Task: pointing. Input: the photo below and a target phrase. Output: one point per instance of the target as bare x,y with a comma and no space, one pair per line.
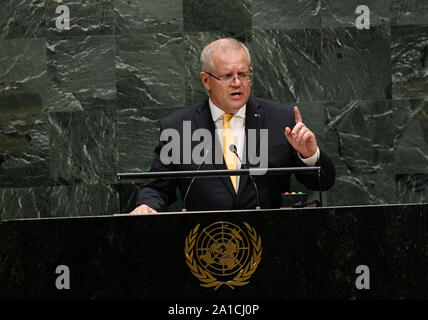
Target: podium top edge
253,211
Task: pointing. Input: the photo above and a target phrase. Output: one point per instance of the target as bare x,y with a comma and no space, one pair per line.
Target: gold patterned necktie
229,139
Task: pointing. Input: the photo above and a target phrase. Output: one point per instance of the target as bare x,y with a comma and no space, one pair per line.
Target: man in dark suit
230,114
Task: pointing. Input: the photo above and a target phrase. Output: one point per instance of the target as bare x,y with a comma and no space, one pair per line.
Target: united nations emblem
223,254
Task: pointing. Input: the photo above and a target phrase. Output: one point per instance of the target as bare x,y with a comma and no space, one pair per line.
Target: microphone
183,209
233,148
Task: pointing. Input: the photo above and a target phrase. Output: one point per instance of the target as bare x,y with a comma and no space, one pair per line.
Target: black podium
310,253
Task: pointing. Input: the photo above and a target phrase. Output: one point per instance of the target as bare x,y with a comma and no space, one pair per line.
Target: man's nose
236,81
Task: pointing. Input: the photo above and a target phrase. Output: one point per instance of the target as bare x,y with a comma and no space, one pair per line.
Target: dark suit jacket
218,193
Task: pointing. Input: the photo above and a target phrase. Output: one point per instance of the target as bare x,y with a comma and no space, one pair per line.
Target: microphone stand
233,148
183,209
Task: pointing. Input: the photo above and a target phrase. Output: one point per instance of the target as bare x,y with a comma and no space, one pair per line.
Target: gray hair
225,44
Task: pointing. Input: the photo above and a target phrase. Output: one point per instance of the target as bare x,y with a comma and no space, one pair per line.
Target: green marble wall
79,105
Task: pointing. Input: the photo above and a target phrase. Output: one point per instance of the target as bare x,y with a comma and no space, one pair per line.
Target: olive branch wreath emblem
207,279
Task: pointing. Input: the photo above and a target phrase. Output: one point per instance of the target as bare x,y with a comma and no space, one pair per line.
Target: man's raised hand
301,138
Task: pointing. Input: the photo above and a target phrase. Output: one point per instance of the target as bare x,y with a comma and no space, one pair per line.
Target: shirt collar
216,112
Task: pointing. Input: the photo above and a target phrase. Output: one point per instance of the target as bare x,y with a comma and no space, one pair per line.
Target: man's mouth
236,94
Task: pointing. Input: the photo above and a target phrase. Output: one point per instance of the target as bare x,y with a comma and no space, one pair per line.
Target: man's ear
205,81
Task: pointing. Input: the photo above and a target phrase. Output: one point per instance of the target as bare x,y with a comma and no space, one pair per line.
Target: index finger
297,116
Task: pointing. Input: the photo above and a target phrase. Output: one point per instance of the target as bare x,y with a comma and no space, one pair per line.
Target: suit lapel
254,118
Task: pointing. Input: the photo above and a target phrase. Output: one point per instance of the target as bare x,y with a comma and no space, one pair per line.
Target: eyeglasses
228,79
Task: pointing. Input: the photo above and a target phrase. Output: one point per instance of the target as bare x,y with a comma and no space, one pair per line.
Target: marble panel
279,14
83,146
149,71
80,68
409,12
221,15
22,19
134,17
409,57
356,64
21,203
81,199
24,147
287,65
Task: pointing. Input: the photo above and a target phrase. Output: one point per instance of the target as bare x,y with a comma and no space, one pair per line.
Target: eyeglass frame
250,74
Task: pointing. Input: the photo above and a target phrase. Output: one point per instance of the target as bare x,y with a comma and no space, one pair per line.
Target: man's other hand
143,209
